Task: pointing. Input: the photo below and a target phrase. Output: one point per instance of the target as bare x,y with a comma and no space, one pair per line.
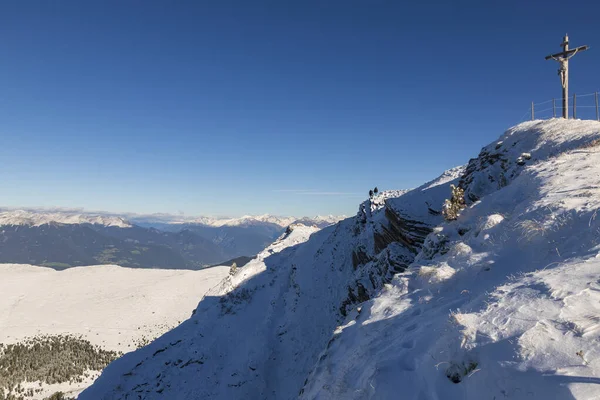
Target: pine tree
233,269
376,190
455,204
371,193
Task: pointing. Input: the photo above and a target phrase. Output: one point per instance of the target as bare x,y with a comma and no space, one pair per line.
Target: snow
508,303
266,218
36,217
501,303
22,217
258,334
111,306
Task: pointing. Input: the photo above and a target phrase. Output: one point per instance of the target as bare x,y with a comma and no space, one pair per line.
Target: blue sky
282,107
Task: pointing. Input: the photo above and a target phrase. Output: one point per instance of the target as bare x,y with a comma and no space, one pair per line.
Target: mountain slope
65,239
284,305
66,245
238,240
22,217
498,304
112,307
242,236
504,300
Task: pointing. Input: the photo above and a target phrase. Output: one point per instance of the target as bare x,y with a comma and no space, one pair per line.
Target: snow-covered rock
501,303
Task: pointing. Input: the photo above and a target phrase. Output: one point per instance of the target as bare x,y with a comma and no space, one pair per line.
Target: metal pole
553,108
566,83
597,115
574,106
532,112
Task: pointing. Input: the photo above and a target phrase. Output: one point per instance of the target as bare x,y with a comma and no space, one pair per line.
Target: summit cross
563,70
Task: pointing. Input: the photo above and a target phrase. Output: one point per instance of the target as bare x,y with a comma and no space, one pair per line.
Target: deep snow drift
396,303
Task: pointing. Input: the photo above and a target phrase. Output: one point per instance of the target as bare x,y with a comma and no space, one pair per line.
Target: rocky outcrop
400,229
495,176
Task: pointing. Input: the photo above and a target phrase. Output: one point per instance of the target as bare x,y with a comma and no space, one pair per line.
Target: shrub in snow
233,269
455,204
582,356
457,371
436,243
593,143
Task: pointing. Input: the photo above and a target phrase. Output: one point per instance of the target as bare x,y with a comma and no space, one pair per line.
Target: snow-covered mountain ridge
501,303
63,238
22,217
37,217
283,222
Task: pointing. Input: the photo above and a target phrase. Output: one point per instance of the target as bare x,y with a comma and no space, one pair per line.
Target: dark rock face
485,160
360,257
397,239
401,229
390,232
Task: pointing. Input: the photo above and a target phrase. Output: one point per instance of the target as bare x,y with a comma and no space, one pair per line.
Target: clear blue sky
282,107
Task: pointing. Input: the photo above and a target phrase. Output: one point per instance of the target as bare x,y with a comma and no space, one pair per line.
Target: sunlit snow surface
113,307
506,299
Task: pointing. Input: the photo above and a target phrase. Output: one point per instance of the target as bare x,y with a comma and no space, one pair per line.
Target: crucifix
563,70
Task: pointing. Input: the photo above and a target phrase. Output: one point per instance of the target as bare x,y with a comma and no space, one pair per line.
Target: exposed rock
403,230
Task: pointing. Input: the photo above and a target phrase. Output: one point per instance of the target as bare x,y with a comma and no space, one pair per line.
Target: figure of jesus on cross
563,70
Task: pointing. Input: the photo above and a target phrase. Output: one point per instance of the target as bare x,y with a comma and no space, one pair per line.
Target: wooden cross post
563,71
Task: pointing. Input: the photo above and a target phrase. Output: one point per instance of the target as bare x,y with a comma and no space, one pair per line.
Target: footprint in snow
416,313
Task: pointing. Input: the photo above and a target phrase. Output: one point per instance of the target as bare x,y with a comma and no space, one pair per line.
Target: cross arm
567,53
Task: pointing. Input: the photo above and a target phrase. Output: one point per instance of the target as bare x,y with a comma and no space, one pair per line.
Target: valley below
86,316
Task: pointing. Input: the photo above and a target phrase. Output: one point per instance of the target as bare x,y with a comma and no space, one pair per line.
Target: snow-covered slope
22,217
505,299
113,307
259,334
501,303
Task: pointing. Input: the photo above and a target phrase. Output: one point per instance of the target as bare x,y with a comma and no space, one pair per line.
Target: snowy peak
244,220
37,217
319,220
500,303
22,217
294,235
528,143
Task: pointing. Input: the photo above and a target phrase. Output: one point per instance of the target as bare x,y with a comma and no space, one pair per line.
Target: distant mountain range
63,238
156,220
